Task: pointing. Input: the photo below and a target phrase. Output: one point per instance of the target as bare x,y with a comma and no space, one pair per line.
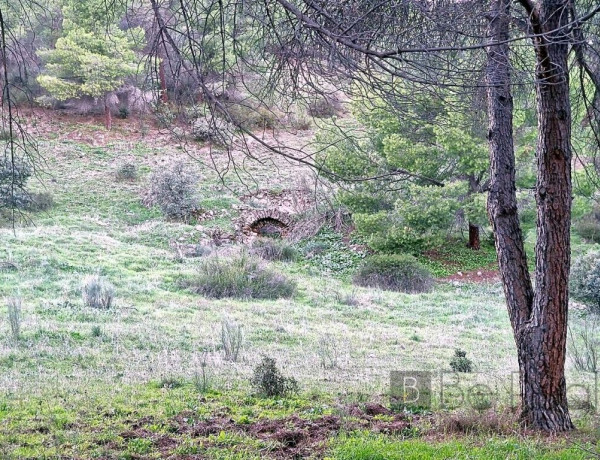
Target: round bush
241,277
585,280
211,129
394,272
126,171
173,190
13,179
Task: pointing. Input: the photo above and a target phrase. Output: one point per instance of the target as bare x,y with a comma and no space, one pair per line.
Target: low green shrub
269,382
395,272
585,280
96,292
460,362
96,331
173,190
124,112
14,175
273,249
212,129
32,202
588,227
251,116
126,171
242,277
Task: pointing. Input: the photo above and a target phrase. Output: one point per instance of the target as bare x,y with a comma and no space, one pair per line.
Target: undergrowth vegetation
150,374
274,249
269,382
173,189
241,277
585,280
97,292
395,272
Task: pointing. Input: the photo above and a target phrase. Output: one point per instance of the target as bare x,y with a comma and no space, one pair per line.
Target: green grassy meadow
148,378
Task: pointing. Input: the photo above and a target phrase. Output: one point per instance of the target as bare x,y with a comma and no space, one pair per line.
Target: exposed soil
475,276
292,437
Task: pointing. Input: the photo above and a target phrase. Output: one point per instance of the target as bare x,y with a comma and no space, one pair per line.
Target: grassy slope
69,390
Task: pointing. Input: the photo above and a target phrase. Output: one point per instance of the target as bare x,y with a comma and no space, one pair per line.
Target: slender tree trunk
163,81
107,115
474,240
538,317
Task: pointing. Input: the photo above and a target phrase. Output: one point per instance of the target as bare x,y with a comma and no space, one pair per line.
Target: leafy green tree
88,59
443,155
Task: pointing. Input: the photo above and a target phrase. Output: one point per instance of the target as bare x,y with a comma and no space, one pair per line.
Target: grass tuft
241,277
96,292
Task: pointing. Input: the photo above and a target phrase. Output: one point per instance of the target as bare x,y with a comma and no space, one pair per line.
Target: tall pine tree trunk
539,317
544,337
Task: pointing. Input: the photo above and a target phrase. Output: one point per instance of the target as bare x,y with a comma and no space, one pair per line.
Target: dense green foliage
93,56
444,154
395,272
13,181
84,64
460,362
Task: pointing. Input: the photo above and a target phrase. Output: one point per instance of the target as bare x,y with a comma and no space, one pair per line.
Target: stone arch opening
269,226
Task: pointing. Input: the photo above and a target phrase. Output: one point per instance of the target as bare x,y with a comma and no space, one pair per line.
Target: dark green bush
241,277
268,381
460,362
395,272
32,202
273,249
123,112
13,178
585,280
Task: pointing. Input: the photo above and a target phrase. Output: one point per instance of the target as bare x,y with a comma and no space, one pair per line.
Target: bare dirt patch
291,437
474,276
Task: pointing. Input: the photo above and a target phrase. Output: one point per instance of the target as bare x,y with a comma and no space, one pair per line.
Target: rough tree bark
474,239
538,317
